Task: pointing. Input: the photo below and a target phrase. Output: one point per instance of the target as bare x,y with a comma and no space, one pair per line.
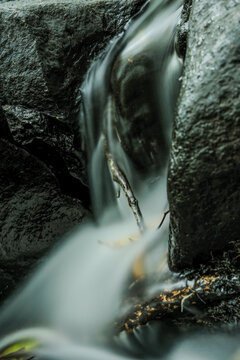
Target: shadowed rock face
143,138
33,209
33,214
46,48
204,170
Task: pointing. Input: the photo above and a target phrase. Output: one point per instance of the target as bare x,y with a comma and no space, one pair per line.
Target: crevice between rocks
69,184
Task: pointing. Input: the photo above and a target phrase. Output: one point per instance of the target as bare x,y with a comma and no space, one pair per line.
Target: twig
183,300
119,177
164,217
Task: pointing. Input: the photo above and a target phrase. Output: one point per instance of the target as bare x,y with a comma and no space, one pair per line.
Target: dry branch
120,178
163,218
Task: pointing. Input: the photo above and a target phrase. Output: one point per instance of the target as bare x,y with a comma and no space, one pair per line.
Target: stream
67,309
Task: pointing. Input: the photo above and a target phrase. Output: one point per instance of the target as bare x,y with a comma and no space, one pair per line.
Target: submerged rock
142,137
204,171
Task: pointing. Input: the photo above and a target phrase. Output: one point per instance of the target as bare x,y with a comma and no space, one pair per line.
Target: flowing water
129,95
70,304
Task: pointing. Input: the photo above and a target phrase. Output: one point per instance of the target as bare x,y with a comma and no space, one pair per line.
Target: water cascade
145,50
68,307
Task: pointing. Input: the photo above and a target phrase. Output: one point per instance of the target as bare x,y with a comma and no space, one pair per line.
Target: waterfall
70,304
129,96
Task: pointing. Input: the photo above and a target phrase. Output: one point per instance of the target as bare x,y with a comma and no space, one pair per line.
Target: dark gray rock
136,98
46,49
182,33
4,128
7,284
204,172
51,140
34,212
47,46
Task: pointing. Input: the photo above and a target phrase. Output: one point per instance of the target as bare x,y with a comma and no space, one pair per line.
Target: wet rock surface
34,213
30,195
183,29
46,49
204,170
53,142
142,137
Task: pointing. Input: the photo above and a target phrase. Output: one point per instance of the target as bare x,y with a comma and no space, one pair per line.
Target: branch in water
119,177
186,302
164,217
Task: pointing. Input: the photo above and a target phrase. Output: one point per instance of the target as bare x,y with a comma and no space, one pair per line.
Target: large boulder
204,171
47,46
46,49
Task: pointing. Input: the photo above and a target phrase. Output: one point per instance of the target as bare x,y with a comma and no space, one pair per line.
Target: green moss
19,350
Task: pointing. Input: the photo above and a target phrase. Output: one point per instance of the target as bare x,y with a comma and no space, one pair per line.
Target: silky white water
71,302
149,39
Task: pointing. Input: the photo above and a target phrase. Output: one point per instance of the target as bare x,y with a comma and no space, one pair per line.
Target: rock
141,136
182,33
52,141
34,213
46,49
4,128
47,46
204,171
7,284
